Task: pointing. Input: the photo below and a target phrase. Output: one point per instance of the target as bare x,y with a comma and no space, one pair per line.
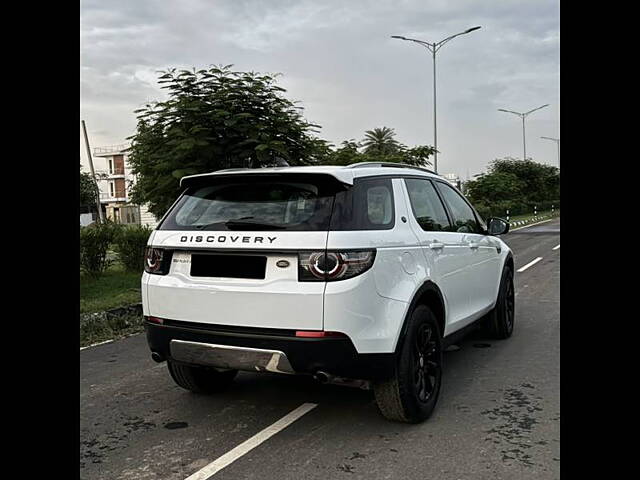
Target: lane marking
96,344
530,264
248,445
531,225
111,340
556,247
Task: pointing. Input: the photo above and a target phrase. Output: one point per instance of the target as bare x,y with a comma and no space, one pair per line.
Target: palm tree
380,141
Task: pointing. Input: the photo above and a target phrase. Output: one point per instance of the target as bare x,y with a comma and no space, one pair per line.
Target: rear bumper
336,356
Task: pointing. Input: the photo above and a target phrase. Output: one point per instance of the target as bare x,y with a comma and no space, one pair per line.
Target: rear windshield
283,202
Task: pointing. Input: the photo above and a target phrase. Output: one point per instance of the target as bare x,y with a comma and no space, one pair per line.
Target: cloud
337,59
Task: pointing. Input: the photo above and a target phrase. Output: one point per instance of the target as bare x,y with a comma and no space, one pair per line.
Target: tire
200,379
412,393
501,319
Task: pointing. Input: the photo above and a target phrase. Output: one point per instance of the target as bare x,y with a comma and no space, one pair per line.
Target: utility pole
93,173
433,47
523,116
557,140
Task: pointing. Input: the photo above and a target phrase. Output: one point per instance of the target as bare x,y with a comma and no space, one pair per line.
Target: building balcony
116,198
112,176
111,150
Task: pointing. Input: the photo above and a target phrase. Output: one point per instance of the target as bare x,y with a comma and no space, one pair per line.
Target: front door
484,263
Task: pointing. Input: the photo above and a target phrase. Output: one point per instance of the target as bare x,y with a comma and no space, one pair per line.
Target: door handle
436,245
473,245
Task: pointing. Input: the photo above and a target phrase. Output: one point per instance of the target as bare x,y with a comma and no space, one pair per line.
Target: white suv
357,274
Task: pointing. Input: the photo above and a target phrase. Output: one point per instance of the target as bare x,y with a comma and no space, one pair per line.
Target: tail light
331,266
157,260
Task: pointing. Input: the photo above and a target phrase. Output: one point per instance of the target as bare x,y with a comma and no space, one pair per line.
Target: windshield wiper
243,224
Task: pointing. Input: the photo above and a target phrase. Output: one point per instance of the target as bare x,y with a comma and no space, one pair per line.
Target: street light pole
523,116
93,173
557,140
433,48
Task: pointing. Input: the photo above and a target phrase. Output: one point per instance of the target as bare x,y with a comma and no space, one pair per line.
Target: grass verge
115,288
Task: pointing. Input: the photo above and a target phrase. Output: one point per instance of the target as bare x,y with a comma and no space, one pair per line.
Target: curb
108,322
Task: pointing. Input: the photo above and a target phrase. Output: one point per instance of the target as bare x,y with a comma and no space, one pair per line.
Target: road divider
530,264
248,445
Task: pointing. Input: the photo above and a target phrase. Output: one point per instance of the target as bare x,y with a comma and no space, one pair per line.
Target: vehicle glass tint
243,203
426,205
464,220
368,205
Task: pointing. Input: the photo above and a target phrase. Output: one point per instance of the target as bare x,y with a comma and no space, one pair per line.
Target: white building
115,180
453,179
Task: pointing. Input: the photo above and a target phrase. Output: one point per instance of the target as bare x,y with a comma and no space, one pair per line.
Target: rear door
233,247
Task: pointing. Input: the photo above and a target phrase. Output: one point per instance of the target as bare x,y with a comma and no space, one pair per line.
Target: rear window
284,202
264,203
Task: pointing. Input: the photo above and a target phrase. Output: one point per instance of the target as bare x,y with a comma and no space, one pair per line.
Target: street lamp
523,116
433,48
557,140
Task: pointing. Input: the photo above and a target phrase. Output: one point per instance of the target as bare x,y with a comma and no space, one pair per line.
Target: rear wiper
241,224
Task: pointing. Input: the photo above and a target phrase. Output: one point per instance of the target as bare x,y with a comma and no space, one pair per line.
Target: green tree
380,141
514,185
88,189
419,155
539,182
345,155
213,119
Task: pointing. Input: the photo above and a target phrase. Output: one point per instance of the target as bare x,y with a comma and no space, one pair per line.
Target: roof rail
388,164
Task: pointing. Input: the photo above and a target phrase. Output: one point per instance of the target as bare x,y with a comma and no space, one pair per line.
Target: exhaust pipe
156,357
322,377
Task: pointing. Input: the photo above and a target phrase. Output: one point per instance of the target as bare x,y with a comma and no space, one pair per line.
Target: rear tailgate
237,278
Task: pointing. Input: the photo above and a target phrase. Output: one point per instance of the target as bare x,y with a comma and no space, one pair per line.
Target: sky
338,61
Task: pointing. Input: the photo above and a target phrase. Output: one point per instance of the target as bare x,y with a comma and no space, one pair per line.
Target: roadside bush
94,244
129,244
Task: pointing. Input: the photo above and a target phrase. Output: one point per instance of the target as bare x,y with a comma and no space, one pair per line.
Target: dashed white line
556,247
248,445
530,264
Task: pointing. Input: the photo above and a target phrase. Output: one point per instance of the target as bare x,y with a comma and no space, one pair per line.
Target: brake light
330,266
157,260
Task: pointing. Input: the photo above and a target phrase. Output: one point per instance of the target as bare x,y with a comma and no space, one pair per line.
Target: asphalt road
498,415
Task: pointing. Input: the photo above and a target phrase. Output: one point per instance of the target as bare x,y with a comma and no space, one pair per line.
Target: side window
464,219
368,205
426,205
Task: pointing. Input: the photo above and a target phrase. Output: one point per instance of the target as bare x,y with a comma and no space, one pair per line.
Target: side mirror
497,226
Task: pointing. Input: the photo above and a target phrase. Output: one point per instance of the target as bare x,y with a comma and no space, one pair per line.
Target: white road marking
96,344
556,247
530,264
245,447
111,340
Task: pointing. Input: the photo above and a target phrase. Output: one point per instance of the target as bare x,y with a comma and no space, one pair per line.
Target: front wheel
501,319
411,394
200,379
